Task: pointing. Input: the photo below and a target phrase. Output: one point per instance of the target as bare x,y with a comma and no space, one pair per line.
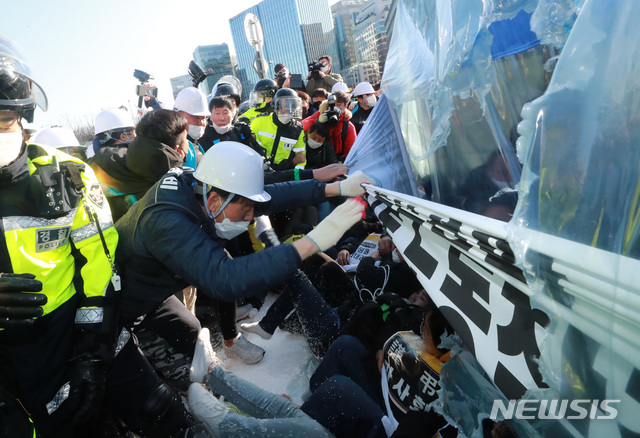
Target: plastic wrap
576,228
492,112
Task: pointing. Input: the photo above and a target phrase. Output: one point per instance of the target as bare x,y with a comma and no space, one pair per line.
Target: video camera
143,90
142,76
315,67
198,74
333,115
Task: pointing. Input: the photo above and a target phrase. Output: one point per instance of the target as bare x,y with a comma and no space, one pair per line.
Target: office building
362,72
295,33
215,57
345,14
371,32
179,83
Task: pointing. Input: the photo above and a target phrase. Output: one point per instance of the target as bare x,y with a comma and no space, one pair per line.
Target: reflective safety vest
62,246
279,142
254,112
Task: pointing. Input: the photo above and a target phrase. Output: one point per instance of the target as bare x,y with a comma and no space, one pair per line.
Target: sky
83,53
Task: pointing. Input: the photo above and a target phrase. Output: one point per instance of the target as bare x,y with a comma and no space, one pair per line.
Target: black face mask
316,105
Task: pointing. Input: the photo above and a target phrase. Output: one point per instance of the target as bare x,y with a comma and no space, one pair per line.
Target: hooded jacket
127,173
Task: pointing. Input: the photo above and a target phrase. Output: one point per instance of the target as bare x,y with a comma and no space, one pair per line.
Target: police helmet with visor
287,103
18,91
263,92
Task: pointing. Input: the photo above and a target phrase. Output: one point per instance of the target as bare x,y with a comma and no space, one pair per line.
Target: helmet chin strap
222,207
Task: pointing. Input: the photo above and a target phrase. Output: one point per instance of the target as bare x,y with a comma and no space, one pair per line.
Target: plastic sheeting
563,319
379,150
581,183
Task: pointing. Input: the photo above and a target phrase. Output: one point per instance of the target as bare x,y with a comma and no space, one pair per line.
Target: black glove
18,309
88,386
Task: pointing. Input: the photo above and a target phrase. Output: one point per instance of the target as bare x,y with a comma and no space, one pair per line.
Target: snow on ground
287,365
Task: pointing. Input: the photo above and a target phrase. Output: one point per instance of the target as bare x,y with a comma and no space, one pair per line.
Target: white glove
323,118
331,229
351,185
262,224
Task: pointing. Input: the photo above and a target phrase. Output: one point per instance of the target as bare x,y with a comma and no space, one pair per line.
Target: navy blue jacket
167,243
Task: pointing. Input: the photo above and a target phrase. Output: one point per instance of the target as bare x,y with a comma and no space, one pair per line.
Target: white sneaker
254,327
203,357
206,408
244,350
243,312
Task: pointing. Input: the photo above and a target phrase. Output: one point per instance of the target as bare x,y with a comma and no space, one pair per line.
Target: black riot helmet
228,90
287,103
18,91
263,92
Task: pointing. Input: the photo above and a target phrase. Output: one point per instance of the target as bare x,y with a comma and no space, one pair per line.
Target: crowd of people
212,201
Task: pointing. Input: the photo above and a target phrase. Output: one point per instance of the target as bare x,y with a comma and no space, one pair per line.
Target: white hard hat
234,168
57,137
339,86
363,88
110,119
192,101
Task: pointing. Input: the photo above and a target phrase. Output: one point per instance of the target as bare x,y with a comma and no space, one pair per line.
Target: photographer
320,75
335,115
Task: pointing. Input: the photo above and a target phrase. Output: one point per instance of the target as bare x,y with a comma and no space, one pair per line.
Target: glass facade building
295,33
345,14
216,57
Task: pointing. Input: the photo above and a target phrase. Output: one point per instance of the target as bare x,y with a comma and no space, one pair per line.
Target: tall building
179,83
345,13
216,57
361,72
371,32
295,33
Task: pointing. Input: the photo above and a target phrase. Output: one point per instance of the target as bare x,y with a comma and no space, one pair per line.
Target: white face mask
313,144
371,101
10,146
222,129
195,132
395,256
325,69
228,230
285,119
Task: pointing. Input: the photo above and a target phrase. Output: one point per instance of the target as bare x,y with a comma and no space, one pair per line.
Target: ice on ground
287,365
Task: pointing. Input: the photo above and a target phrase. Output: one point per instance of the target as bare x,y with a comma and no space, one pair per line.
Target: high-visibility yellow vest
65,252
290,139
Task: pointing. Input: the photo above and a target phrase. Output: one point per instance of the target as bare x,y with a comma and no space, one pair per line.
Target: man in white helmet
63,139
114,127
366,96
176,234
192,104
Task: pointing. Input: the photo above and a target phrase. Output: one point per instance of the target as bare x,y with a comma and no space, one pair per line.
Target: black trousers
34,367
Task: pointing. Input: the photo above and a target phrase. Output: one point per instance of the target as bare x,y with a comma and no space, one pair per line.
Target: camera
198,75
142,76
333,115
145,90
315,67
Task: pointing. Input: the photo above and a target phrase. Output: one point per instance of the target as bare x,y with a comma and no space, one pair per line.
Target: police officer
260,99
58,352
279,134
